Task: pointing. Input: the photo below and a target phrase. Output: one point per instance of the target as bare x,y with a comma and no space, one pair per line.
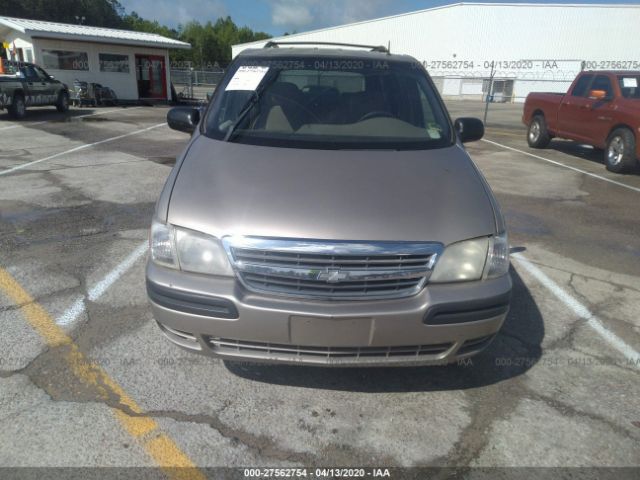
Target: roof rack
373,48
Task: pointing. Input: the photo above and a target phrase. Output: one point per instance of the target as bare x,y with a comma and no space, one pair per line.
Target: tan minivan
325,212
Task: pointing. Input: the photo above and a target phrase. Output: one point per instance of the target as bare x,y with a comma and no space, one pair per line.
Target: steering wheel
376,113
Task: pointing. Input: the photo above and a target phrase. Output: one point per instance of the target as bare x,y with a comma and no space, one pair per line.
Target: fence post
191,82
490,93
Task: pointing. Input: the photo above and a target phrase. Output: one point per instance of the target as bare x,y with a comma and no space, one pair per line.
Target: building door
151,77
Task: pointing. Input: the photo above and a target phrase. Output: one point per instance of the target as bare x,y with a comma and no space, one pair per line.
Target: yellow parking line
158,445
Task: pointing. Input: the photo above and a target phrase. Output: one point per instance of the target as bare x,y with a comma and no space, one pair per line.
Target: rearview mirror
597,95
469,129
183,119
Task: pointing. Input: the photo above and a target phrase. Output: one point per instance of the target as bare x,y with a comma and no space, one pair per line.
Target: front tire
538,135
17,109
620,153
62,105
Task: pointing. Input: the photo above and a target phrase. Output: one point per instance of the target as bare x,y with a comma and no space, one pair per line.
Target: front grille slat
224,345
333,261
328,269
311,284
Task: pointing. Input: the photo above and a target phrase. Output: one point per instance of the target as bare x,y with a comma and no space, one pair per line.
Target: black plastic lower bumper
193,303
468,311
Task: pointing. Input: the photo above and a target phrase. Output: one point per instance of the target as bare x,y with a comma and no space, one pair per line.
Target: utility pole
490,92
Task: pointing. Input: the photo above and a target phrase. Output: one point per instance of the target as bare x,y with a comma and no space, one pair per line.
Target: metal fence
194,85
496,90
498,101
497,93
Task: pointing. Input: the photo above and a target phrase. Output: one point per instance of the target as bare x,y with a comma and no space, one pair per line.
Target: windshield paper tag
247,78
630,82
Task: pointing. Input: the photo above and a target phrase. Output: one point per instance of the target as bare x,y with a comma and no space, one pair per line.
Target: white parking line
81,147
72,313
579,309
102,112
560,164
24,125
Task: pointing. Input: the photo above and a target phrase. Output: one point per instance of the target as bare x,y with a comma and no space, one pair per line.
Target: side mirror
183,119
597,95
469,129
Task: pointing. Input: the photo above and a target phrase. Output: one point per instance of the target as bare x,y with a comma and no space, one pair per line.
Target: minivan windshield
328,103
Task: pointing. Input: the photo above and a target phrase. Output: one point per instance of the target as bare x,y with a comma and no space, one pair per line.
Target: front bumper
218,316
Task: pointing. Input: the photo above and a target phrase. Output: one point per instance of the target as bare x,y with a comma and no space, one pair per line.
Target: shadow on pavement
583,152
49,114
515,349
578,150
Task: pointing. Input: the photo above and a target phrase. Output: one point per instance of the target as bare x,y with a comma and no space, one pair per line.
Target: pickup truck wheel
62,105
17,109
620,154
538,135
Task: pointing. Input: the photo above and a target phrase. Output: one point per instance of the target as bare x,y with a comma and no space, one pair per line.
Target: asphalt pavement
88,380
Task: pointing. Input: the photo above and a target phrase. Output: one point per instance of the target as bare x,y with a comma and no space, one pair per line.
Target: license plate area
330,332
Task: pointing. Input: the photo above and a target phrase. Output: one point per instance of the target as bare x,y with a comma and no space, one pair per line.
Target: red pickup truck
601,108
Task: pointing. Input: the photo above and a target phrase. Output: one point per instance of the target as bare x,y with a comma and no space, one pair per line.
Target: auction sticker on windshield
247,78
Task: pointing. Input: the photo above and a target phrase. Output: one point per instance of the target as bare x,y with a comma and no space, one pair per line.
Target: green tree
100,13
133,21
211,42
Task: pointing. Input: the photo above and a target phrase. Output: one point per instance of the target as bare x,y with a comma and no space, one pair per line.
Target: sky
279,16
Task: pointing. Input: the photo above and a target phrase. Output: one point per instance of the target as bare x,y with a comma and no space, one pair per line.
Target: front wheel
620,154
17,109
538,135
62,105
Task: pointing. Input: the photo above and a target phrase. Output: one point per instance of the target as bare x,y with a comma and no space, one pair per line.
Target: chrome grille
332,270
323,354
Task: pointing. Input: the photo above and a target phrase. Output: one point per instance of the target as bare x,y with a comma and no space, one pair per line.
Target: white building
531,46
134,64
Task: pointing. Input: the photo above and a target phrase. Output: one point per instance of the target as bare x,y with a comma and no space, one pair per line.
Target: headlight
486,257
201,253
462,261
498,259
162,244
188,250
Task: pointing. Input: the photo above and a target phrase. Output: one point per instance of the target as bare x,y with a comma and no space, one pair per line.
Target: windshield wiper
255,98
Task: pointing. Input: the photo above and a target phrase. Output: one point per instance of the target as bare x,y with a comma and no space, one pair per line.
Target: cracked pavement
549,391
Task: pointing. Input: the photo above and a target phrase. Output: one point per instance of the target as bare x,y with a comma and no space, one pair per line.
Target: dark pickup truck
25,84
601,108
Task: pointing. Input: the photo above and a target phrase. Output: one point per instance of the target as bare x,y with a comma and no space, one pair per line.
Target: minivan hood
226,188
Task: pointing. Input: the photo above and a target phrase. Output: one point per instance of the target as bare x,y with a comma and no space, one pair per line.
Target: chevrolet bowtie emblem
333,275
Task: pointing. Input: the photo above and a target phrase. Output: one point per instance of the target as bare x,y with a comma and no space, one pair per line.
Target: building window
114,63
63,60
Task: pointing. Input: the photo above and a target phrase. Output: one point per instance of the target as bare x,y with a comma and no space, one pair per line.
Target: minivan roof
286,51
